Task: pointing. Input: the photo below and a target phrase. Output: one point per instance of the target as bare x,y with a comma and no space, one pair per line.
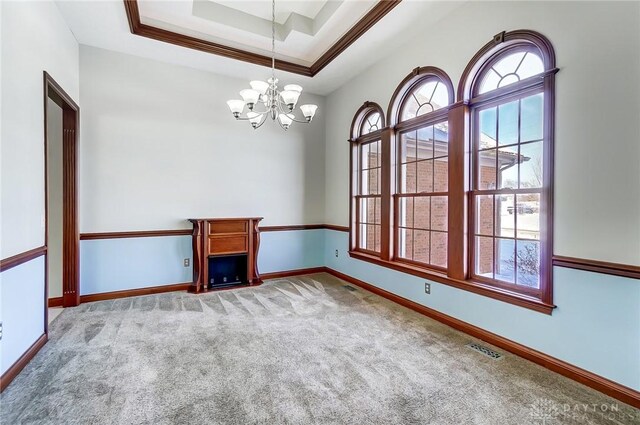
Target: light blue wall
596,325
108,265
291,250
21,310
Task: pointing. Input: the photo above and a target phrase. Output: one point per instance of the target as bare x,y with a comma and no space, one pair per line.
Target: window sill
479,288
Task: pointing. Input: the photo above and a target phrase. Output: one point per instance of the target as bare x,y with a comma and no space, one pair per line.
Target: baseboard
55,302
24,359
289,273
134,292
599,383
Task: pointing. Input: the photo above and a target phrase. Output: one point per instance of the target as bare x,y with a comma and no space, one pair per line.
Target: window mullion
458,189
386,207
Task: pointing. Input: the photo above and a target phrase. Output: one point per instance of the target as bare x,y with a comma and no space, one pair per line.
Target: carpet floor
303,350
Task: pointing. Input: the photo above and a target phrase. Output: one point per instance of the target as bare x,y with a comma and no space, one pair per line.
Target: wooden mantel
224,236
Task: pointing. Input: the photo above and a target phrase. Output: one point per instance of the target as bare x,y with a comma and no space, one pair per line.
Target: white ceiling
104,24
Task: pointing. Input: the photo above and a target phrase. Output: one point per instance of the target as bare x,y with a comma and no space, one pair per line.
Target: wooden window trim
502,294
502,45
356,140
458,115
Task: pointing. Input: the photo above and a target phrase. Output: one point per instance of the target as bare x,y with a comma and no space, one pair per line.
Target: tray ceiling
107,24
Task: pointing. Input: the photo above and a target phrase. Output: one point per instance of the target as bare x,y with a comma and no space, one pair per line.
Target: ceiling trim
362,26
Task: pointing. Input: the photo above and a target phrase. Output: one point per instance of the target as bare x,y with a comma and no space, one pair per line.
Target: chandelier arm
245,118
300,121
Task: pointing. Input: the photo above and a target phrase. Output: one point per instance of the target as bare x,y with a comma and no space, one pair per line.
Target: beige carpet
293,351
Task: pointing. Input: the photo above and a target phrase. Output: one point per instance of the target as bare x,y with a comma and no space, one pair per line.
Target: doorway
61,119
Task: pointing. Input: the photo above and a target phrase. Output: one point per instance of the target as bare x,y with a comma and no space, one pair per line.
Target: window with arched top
459,189
510,87
366,178
420,106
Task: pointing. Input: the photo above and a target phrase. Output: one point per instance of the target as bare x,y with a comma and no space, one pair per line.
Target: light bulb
236,106
285,120
254,118
290,98
259,86
308,111
293,87
250,97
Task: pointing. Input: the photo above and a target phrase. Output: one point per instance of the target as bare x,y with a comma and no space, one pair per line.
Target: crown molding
362,26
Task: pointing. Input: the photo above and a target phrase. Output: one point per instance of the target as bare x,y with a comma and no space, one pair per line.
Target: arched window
509,86
366,178
418,111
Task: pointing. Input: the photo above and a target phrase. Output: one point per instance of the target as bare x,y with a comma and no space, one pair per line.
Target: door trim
70,233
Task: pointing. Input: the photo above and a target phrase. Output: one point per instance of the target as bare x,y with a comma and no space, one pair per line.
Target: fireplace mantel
217,237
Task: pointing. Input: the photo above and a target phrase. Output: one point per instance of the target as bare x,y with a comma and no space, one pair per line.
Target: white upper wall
158,145
597,164
34,38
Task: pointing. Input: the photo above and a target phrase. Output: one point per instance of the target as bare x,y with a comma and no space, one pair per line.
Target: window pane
505,260
510,69
370,210
531,168
486,169
439,213
509,64
484,215
508,167
531,120
529,216
425,143
505,216
425,176
441,177
488,128
531,65
371,182
408,178
371,155
490,81
371,237
528,264
508,123
365,155
406,212
371,123
484,256
422,212
405,244
427,97
441,139
439,249
363,236
421,246
363,210
408,147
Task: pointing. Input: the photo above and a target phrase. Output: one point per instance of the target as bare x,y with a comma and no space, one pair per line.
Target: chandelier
264,99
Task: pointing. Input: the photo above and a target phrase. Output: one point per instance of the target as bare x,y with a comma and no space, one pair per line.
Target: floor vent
485,350
349,288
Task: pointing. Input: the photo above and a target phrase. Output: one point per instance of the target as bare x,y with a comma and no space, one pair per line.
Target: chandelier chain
273,39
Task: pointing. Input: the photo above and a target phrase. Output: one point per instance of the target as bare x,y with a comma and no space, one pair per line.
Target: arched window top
511,57
371,122
424,91
368,119
510,67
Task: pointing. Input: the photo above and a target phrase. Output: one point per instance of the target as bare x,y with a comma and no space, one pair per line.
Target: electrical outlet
427,288
336,253
186,262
